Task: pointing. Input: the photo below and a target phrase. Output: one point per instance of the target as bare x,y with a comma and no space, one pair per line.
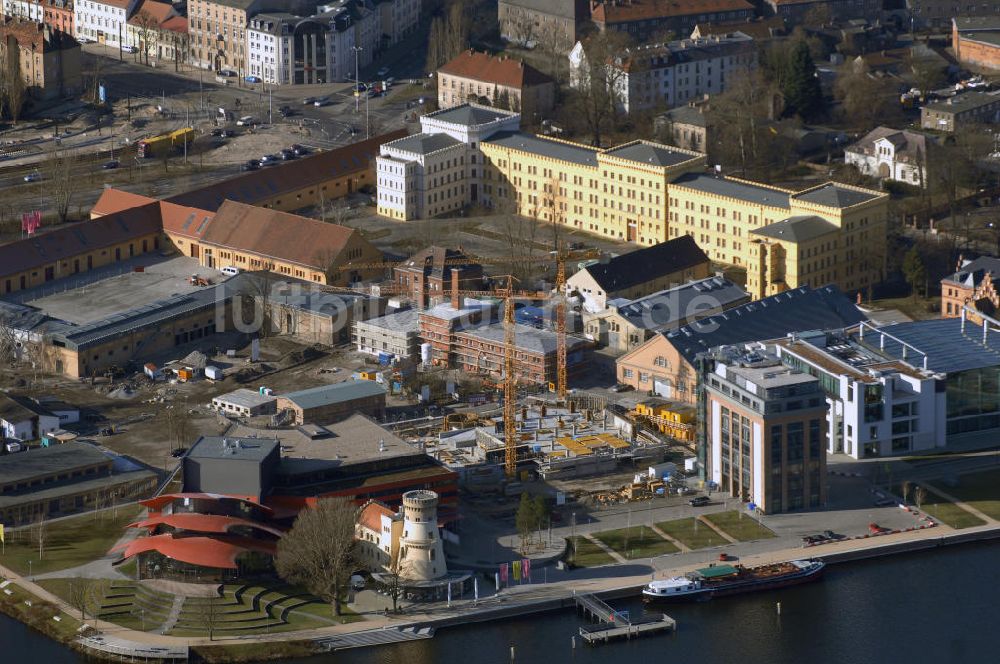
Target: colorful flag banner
526,568
517,570
503,572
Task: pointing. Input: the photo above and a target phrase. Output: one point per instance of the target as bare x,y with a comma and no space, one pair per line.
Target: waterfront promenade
610,581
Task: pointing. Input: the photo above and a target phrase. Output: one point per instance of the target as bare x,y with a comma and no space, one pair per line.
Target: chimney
456,299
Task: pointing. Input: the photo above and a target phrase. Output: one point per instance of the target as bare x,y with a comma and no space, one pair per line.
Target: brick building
961,111
49,60
976,41
974,284
648,19
331,403
480,350
432,275
499,80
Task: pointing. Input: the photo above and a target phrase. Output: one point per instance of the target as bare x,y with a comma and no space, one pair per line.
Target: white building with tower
408,543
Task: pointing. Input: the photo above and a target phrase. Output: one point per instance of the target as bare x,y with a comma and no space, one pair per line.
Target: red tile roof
80,238
277,235
217,552
372,513
118,200
157,503
187,221
157,11
643,10
176,24
501,70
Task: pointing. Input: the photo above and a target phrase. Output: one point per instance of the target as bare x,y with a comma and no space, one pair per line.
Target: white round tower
420,548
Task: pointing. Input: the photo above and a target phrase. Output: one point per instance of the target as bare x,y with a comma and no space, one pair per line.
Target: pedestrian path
959,503
673,540
721,533
619,558
172,617
374,637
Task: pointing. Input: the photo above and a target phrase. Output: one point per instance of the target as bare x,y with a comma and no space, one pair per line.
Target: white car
245,121
230,270
130,49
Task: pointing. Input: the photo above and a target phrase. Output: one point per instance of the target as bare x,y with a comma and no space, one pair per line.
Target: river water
936,607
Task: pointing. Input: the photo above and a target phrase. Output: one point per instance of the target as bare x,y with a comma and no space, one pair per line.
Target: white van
230,270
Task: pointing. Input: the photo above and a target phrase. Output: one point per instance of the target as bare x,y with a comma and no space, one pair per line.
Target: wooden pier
616,624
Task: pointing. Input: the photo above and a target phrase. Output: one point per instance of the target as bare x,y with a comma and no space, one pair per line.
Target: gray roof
470,115
797,229
42,461
745,191
560,8
579,154
948,349
325,395
686,115
402,322
966,101
973,272
244,397
45,492
908,144
645,265
836,195
797,310
424,143
243,449
527,338
673,305
649,153
963,23
14,409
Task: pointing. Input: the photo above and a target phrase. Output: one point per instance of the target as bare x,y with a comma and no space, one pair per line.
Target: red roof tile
278,235
157,11
501,70
372,513
117,200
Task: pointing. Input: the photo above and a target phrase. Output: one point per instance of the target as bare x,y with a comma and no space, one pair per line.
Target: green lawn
584,553
943,510
636,542
68,542
692,533
981,490
39,615
740,526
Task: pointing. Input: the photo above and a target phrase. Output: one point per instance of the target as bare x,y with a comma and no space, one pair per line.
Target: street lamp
357,93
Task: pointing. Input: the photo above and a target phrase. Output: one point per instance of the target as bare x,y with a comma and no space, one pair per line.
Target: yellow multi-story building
648,193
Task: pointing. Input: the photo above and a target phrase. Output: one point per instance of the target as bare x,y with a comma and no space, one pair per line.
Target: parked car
308,101
323,101
217,131
228,133
830,535
288,155
698,501
226,73
299,149
110,165
252,79
245,121
621,387
33,177
230,270
130,49
251,165
269,160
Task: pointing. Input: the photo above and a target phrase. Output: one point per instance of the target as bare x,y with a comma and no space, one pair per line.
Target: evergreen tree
913,270
803,96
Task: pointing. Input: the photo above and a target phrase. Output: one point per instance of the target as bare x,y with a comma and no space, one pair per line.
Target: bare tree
79,596
319,549
597,82
39,534
147,27
14,88
919,496
907,486
393,580
97,590
209,614
59,182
